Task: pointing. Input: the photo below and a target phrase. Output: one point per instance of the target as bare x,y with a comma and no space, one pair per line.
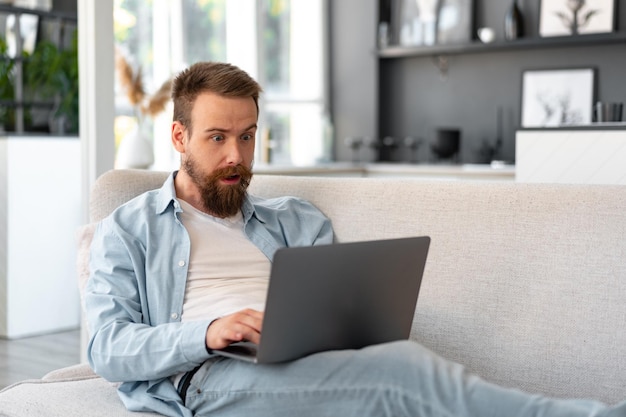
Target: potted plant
135,150
51,73
7,112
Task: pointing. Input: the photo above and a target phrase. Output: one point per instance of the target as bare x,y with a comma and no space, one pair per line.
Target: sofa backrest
525,284
116,187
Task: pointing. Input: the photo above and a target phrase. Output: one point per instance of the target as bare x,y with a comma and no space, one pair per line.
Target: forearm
121,351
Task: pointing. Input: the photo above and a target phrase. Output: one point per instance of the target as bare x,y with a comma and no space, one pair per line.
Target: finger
245,334
234,328
236,333
251,318
247,327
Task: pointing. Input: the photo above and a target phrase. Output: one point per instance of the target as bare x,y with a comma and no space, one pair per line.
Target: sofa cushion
70,392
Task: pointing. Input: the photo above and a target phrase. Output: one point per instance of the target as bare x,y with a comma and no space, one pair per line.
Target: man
181,271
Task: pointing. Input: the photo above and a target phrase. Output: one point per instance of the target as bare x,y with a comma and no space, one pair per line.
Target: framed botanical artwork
454,21
557,97
576,17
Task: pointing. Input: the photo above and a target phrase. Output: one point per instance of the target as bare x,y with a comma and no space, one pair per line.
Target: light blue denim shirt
134,296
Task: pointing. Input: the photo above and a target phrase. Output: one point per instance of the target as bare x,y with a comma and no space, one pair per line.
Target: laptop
337,296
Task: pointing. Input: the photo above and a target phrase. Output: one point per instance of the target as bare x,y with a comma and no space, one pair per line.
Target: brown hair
216,77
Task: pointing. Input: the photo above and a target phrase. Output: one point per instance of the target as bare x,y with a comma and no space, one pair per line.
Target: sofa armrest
80,371
74,391
84,235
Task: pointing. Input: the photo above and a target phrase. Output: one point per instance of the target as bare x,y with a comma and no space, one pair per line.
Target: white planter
134,152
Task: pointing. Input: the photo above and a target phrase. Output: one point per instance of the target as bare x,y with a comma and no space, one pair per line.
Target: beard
220,200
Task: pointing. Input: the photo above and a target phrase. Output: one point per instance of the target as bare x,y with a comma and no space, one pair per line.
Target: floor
33,357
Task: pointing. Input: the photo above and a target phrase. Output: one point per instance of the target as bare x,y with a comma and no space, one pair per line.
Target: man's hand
243,325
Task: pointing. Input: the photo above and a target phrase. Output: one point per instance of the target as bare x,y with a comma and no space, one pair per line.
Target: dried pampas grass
156,104
132,82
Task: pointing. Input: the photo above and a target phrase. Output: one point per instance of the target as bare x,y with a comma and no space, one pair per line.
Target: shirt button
174,316
181,263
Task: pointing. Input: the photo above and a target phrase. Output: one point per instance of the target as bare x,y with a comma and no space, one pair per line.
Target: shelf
4,9
524,43
38,104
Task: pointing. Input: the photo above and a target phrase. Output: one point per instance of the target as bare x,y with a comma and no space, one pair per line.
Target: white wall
97,106
354,72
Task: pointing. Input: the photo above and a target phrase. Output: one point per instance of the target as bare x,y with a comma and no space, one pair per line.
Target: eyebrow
221,130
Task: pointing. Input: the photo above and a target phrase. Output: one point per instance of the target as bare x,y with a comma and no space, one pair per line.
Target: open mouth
231,179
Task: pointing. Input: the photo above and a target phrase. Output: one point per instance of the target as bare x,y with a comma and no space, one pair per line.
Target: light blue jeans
394,379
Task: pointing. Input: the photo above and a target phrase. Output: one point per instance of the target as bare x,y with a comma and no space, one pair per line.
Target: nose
234,154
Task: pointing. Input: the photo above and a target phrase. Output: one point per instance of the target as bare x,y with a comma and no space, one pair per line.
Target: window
281,43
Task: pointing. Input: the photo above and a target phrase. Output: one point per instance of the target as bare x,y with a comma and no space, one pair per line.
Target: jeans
393,379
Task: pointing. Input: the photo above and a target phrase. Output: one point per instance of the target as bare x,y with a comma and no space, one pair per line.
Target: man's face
217,156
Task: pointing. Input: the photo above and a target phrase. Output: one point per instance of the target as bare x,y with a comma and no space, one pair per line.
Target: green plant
7,91
52,73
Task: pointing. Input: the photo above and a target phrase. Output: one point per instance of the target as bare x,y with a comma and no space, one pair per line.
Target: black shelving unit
477,87
520,44
62,20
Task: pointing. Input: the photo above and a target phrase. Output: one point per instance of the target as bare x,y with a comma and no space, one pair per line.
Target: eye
247,137
217,138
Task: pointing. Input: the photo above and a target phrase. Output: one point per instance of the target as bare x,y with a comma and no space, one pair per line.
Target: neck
187,190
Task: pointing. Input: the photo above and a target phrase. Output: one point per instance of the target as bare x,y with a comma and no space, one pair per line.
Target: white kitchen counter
480,172
582,156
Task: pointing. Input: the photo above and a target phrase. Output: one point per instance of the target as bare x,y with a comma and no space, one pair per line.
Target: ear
178,136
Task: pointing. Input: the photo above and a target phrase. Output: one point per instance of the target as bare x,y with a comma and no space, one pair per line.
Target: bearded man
183,270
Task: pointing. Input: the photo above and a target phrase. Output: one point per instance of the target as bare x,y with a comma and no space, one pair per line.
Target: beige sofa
525,284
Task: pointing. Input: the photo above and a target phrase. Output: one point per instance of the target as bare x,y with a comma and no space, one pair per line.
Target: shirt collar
167,194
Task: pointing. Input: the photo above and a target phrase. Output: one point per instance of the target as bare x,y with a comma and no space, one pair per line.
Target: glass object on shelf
383,35
414,22
608,112
513,23
454,21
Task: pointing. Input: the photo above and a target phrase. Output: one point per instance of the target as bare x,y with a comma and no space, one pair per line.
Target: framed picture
454,21
576,17
562,97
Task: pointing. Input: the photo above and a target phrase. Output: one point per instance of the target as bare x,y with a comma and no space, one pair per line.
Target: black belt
183,385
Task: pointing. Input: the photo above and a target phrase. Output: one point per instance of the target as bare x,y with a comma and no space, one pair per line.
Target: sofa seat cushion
69,392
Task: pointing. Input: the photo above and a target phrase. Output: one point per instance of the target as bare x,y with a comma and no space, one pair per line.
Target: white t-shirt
227,272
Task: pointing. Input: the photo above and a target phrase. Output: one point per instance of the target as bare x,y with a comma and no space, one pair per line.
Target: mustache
227,172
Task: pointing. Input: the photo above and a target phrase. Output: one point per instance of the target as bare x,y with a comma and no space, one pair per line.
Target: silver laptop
339,296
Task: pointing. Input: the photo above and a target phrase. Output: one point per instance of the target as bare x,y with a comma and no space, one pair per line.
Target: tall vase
134,151
513,23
